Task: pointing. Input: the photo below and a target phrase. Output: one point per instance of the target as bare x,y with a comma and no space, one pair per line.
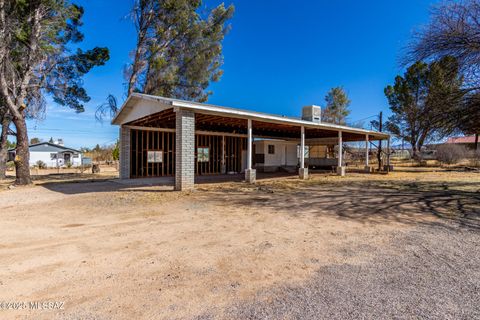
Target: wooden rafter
216,123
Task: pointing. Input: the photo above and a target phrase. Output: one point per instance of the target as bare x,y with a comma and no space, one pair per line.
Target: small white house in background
53,155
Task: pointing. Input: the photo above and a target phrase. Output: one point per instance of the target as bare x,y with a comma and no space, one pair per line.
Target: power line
63,130
374,116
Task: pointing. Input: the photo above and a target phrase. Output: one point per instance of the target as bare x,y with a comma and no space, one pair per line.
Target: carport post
388,154
302,172
367,164
250,174
340,167
184,149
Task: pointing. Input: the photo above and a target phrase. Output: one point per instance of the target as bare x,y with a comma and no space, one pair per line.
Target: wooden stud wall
233,153
143,141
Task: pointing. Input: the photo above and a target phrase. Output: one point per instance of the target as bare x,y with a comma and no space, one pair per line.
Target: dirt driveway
402,246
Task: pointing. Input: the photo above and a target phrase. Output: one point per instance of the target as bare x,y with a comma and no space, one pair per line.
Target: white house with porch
52,155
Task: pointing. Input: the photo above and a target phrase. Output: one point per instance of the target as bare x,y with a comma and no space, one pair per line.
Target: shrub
10,165
451,153
41,165
476,158
95,168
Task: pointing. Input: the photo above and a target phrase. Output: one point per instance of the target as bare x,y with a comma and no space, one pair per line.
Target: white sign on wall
155,156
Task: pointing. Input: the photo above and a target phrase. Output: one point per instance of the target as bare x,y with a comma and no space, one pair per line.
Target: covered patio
168,137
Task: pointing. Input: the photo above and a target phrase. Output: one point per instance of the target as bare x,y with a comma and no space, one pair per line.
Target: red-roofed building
469,139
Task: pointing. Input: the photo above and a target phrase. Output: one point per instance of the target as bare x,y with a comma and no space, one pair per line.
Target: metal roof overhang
166,103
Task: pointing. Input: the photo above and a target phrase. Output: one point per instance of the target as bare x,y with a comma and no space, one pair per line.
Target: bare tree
454,31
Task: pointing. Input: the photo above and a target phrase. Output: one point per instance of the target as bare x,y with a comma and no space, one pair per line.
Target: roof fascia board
270,118
122,108
131,102
236,113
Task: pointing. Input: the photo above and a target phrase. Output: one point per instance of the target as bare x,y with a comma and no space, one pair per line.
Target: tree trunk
3,149
379,155
414,152
22,156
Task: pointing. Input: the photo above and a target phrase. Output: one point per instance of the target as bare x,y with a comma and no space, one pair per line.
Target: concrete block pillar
184,150
124,152
303,173
250,174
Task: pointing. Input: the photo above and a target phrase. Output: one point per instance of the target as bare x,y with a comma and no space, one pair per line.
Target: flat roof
134,98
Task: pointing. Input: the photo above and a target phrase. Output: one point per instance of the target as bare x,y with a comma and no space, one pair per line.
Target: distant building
463,140
52,154
468,141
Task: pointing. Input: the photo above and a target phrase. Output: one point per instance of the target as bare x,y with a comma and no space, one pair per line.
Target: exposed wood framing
150,129
143,141
215,124
232,154
152,139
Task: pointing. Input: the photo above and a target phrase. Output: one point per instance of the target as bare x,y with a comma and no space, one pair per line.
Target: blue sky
279,56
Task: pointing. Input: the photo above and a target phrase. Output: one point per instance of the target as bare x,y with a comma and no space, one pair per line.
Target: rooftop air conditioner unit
312,113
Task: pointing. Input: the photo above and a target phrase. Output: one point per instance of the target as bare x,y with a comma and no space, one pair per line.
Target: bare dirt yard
406,245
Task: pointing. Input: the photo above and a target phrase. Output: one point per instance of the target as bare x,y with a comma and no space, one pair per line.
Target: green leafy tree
11,145
178,51
35,62
116,151
35,140
336,110
420,101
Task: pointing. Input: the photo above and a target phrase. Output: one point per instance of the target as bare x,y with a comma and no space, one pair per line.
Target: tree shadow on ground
371,201
79,185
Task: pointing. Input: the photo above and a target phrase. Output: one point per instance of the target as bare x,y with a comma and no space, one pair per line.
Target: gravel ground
400,246
430,272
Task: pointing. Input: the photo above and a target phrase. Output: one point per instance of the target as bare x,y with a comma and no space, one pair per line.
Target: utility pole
379,153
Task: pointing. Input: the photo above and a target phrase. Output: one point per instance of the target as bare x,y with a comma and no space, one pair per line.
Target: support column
250,174
184,150
340,167
223,167
368,169
389,168
302,172
124,153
